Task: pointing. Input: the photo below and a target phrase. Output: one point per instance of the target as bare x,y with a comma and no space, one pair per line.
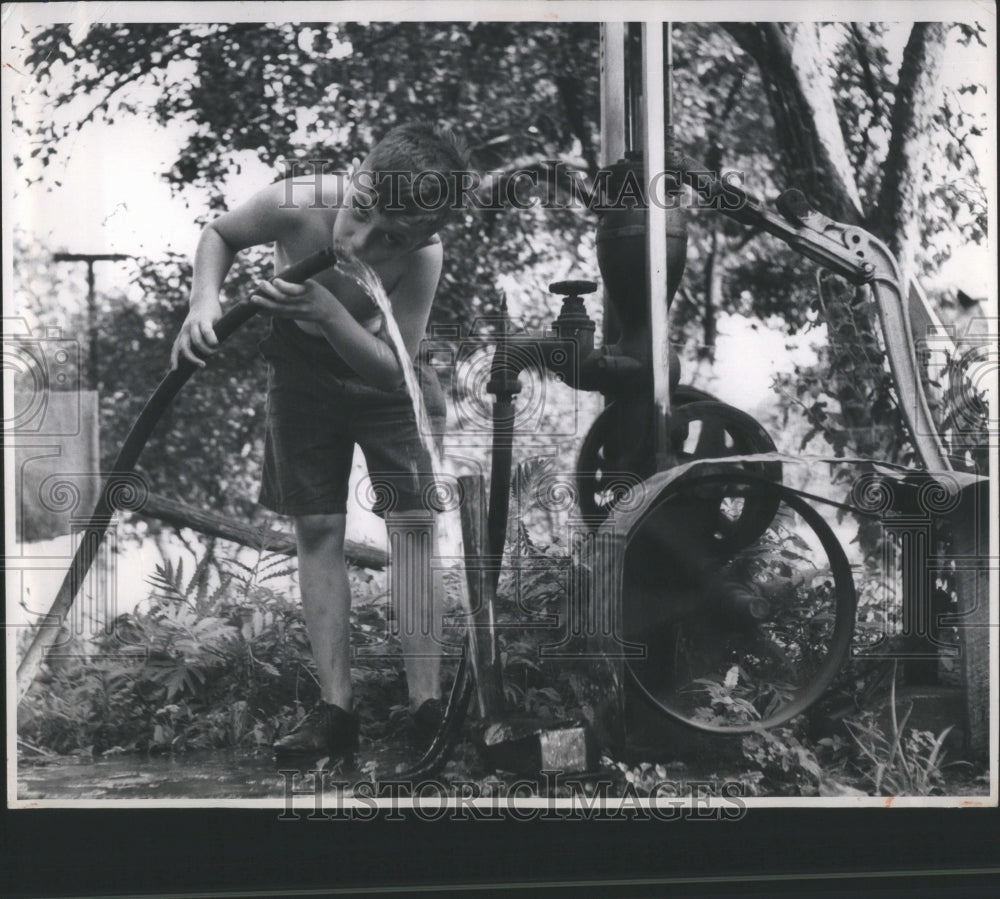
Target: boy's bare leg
418,609
326,602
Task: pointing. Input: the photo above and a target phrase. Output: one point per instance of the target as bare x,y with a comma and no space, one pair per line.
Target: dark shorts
317,410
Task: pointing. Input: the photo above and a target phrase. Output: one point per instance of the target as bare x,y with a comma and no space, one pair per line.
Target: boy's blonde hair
415,171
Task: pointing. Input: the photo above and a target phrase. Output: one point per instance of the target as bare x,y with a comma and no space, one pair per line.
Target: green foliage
83,704
726,706
190,668
531,609
791,767
848,397
724,122
514,91
899,763
963,412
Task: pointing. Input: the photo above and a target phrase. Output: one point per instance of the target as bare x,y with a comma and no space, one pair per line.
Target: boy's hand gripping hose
120,488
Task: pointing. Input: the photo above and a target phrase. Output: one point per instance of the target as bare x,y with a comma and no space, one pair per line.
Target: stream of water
449,529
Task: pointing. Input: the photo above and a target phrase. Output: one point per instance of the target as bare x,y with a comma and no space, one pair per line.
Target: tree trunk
808,131
815,160
898,216
805,119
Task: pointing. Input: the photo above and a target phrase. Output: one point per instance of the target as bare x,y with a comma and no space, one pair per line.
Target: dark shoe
426,721
326,730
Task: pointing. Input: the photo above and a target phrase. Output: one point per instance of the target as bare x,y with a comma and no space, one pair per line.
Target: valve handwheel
701,428
572,288
711,430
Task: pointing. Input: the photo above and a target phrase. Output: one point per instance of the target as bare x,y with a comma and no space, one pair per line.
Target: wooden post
975,584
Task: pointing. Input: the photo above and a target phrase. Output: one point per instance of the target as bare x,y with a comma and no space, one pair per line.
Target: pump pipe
654,137
668,81
612,92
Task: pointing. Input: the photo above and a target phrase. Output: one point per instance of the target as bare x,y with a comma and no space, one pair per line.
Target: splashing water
449,530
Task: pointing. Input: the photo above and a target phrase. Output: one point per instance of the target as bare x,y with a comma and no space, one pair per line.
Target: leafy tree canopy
818,107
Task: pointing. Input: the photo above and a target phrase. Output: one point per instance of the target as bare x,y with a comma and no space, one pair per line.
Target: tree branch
864,58
182,515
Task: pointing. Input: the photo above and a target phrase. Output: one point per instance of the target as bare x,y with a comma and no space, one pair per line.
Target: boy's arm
212,261
271,213
369,356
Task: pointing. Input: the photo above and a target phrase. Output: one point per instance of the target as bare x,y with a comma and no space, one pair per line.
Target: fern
169,582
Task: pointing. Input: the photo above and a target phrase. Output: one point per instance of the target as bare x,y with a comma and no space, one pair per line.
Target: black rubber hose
433,760
120,489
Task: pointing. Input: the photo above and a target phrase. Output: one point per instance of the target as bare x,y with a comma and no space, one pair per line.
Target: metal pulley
736,634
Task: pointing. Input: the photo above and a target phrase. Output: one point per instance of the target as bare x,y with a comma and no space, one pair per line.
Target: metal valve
573,322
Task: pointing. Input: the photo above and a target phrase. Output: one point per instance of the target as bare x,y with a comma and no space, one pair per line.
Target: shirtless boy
334,381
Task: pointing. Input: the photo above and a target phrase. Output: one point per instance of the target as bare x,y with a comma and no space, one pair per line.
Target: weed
900,763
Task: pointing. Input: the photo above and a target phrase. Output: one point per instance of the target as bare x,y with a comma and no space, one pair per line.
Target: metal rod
669,82
90,259
656,229
612,92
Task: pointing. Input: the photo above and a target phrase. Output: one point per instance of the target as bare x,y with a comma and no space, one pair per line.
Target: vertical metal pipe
483,647
654,143
91,327
612,92
612,124
633,87
668,80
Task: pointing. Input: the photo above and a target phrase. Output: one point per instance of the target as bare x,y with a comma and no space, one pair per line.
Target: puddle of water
220,774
